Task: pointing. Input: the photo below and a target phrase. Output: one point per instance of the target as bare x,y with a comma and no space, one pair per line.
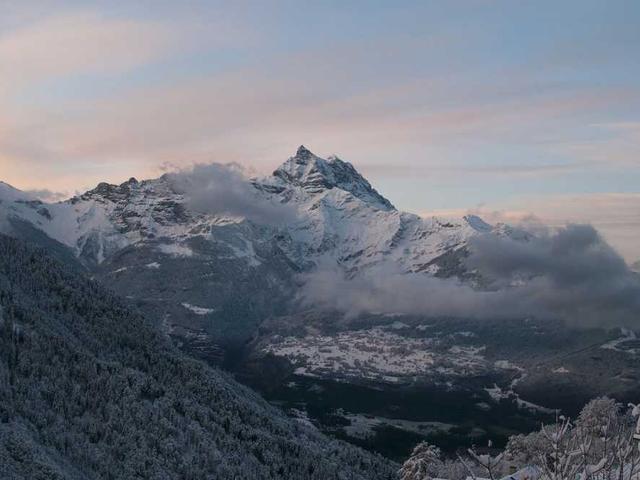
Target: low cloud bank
12,194
571,275
47,195
224,189
385,289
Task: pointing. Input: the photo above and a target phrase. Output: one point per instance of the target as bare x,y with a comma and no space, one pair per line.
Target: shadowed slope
88,390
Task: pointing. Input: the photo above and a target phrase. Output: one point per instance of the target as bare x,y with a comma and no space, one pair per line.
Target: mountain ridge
316,174
192,251
328,195
235,271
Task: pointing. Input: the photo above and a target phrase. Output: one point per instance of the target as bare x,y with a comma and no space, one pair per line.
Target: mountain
339,214
218,263
90,390
211,278
313,174
343,219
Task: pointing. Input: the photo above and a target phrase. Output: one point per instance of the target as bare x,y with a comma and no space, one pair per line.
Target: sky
503,108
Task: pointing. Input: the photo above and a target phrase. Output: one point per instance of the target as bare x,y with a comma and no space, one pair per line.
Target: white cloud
615,215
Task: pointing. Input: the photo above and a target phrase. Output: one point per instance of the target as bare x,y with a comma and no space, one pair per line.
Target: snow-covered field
376,354
363,426
628,342
198,310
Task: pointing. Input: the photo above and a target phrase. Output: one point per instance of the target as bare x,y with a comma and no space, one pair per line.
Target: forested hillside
88,390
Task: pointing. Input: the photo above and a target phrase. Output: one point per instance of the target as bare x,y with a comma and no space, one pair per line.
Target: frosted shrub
601,444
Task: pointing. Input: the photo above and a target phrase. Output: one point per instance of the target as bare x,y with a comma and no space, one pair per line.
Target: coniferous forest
88,390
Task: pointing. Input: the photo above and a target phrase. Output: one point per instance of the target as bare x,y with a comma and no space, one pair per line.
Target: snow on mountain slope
109,218
9,193
313,174
146,241
341,218
220,283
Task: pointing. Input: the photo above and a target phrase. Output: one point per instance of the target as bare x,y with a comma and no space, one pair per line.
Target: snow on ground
375,354
364,426
175,250
497,394
506,365
247,252
153,265
397,325
560,370
198,310
628,337
424,327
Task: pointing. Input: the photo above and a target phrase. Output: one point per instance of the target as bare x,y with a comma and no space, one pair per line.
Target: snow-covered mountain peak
304,153
338,216
317,175
117,193
9,193
4,185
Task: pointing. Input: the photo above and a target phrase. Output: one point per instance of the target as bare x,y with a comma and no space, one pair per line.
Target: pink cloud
73,43
257,114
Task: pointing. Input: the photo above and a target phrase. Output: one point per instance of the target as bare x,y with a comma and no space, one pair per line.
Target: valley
297,295
454,383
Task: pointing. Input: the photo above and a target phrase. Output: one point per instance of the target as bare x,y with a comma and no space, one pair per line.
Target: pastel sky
506,108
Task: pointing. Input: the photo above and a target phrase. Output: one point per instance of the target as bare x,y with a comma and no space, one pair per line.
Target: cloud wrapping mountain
225,189
572,275
356,252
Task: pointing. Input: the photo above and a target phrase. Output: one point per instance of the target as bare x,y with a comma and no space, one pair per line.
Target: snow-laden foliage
601,444
423,464
90,390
